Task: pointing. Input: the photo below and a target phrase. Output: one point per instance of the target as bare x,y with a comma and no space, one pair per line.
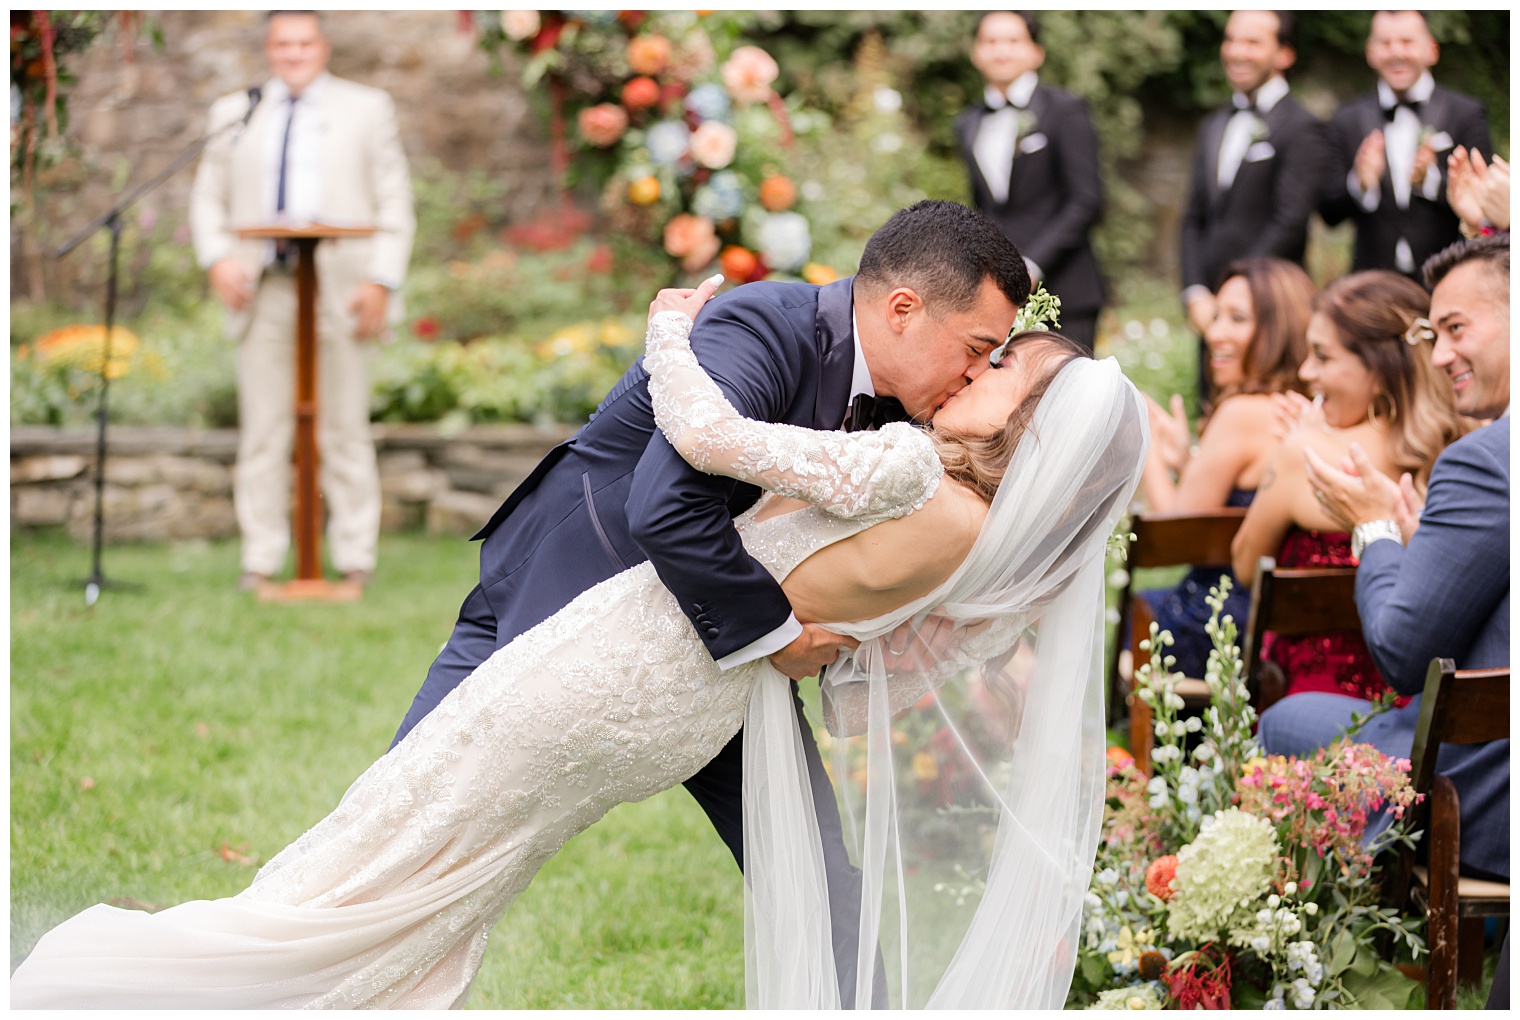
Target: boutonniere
1024,123
1259,132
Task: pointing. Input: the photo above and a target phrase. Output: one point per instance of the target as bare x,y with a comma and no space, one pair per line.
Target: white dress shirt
997,136
860,383
1236,143
1401,140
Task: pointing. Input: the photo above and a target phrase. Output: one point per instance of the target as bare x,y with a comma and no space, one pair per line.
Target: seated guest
1434,579
1255,344
1374,386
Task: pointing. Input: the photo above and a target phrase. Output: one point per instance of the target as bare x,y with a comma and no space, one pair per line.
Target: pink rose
520,25
748,74
691,239
713,143
602,125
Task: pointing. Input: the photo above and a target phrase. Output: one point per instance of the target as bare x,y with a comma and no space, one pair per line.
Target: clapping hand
1170,436
1478,191
1371,160
1358,492
1292,410
685,300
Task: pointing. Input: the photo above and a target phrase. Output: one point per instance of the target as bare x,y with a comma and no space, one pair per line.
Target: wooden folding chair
1466,707
1289,603
1162,540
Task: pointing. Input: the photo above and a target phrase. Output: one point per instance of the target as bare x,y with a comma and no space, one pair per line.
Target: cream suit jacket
364,182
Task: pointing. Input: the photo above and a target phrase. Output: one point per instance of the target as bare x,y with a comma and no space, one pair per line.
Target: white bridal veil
966,742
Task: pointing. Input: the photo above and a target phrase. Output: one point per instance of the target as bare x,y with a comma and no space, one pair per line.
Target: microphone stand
112,221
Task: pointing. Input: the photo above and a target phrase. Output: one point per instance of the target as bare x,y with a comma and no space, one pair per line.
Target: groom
939,285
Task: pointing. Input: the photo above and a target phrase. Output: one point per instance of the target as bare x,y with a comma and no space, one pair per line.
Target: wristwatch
1368,532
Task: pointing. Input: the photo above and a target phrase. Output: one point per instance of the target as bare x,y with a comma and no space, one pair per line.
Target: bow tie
868,412
994,108
1412,105
1243,105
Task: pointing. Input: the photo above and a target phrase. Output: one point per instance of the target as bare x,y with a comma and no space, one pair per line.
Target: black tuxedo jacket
1054,196
617,493
1427,225
1265,211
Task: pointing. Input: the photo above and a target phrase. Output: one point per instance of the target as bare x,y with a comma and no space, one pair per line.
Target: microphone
255,96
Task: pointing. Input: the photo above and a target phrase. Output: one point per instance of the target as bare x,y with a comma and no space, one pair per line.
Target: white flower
1156,785
886,100
1179,728
1274,901
1174,701
785,241
1194,724
1261,943
1311,908
1230,862
1290,888
1108,876
1162,729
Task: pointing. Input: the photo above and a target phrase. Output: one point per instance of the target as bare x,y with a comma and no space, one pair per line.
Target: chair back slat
1459,707
1169,540
1293,601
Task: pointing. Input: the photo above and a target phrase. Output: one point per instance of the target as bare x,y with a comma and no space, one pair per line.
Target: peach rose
749,73
640,93
648,54
1158,877
713,144
602,125
520,25
777,193
691,239
739,263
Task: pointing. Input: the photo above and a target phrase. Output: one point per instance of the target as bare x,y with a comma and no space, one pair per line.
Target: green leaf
1094,969
1342,951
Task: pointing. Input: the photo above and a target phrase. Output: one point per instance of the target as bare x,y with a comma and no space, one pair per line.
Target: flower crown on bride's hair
1041,306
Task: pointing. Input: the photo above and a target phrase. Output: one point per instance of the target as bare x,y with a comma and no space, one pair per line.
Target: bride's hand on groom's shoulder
684,299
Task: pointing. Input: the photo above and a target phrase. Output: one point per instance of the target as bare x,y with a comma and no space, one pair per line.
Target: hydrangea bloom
785,241
1137,997
1222,872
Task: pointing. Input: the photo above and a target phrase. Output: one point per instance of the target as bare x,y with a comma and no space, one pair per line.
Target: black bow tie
862,413
1412,105
989,108
1248,106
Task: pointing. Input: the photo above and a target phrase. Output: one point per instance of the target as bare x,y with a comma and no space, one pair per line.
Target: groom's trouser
718,787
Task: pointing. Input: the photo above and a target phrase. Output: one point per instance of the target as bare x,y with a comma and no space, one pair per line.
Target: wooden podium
309,584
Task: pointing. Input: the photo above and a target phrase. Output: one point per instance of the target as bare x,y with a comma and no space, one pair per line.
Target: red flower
426,328
641,93
602,125
648,54
1202,981
600,259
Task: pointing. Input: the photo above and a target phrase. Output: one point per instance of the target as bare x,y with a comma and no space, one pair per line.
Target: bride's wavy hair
979,462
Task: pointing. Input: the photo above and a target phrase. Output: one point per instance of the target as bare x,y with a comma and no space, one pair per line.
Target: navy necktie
282,251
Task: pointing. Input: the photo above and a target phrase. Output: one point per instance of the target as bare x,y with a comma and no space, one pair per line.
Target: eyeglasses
1419,331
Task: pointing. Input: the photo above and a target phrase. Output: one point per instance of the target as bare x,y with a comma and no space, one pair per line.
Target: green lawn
164,724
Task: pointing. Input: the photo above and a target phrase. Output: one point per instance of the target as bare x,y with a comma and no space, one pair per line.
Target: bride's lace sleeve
888,473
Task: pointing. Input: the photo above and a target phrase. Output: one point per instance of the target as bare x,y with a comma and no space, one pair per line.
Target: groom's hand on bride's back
810,651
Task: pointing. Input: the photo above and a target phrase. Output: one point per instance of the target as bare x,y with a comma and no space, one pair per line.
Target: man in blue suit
1434,581
938,288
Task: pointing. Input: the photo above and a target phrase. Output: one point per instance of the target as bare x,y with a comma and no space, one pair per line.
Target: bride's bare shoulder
931,542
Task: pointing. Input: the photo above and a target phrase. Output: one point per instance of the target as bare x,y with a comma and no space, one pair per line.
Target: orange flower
648,54
644,191
691,239
602,125
739,263
748,74
83,347
1119,757
641,93
777,193
819,274
1158,877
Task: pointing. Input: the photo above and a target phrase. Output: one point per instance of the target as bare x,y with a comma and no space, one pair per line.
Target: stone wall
135,106
166,484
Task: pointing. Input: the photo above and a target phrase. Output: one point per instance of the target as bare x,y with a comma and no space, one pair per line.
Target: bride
967,729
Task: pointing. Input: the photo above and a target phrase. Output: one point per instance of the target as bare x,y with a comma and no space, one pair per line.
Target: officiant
315,149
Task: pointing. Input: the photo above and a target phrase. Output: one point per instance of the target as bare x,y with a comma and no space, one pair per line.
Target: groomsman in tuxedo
1032,156
1256,169
1388,149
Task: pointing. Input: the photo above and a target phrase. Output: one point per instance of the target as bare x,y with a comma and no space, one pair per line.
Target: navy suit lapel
836,347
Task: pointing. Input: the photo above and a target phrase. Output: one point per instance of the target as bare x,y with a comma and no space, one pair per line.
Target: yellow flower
925,768
1130,945
83,347
819,274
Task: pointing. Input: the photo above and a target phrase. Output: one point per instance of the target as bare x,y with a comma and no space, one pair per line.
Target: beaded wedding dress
966,743
388,901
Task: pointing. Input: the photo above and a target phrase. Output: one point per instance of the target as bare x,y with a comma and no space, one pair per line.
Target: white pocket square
1260,151
1441,141
1033,143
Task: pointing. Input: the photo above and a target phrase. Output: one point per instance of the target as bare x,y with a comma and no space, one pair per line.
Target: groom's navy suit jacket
1447,595
618,493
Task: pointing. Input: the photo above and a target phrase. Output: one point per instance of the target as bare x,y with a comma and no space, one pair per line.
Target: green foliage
204,718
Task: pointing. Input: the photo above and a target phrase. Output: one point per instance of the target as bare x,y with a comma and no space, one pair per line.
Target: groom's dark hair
944,251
